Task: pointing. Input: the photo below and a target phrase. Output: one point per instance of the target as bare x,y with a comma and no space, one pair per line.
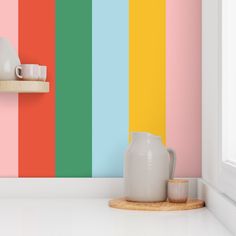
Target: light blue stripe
110,86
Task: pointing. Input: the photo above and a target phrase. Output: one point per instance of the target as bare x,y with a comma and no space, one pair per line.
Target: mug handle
18,74
172,162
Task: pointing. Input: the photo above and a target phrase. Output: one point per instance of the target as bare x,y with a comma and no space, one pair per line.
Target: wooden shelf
17,86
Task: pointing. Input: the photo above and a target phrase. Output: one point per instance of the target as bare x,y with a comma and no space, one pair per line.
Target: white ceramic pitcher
148,166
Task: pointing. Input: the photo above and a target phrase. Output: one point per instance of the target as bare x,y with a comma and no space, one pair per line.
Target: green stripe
73,88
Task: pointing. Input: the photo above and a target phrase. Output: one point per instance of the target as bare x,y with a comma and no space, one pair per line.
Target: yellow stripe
147,67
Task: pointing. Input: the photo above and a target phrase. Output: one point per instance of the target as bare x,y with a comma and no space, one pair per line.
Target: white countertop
90,217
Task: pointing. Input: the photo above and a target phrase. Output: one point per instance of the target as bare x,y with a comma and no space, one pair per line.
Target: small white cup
28,71
43,73
178,190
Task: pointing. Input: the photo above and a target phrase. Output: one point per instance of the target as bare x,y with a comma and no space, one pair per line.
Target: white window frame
221,174
227,175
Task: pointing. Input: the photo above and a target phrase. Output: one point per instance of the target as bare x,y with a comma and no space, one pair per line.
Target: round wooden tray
121,203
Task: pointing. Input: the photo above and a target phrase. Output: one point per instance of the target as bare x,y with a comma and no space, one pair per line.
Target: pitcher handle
172,161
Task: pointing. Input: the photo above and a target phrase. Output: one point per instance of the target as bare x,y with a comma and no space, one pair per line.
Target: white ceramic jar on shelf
8,60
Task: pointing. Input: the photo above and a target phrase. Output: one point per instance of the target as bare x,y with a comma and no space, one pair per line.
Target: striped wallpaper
114,66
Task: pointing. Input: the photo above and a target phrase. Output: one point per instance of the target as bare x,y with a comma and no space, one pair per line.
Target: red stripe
37,111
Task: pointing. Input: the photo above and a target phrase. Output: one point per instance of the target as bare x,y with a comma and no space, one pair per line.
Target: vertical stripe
147,66
9,102
110,86
183,85
74,88
36,111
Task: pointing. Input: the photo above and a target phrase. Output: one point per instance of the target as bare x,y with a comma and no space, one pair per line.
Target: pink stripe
9,102
183,84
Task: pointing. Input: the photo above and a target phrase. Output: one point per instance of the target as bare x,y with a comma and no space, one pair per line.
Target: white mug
28,71
43,73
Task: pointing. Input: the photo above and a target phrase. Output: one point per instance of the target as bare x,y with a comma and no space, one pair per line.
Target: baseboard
60,187
220,205
68,187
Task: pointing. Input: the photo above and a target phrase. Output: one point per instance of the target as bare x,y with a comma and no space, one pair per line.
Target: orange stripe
36,111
